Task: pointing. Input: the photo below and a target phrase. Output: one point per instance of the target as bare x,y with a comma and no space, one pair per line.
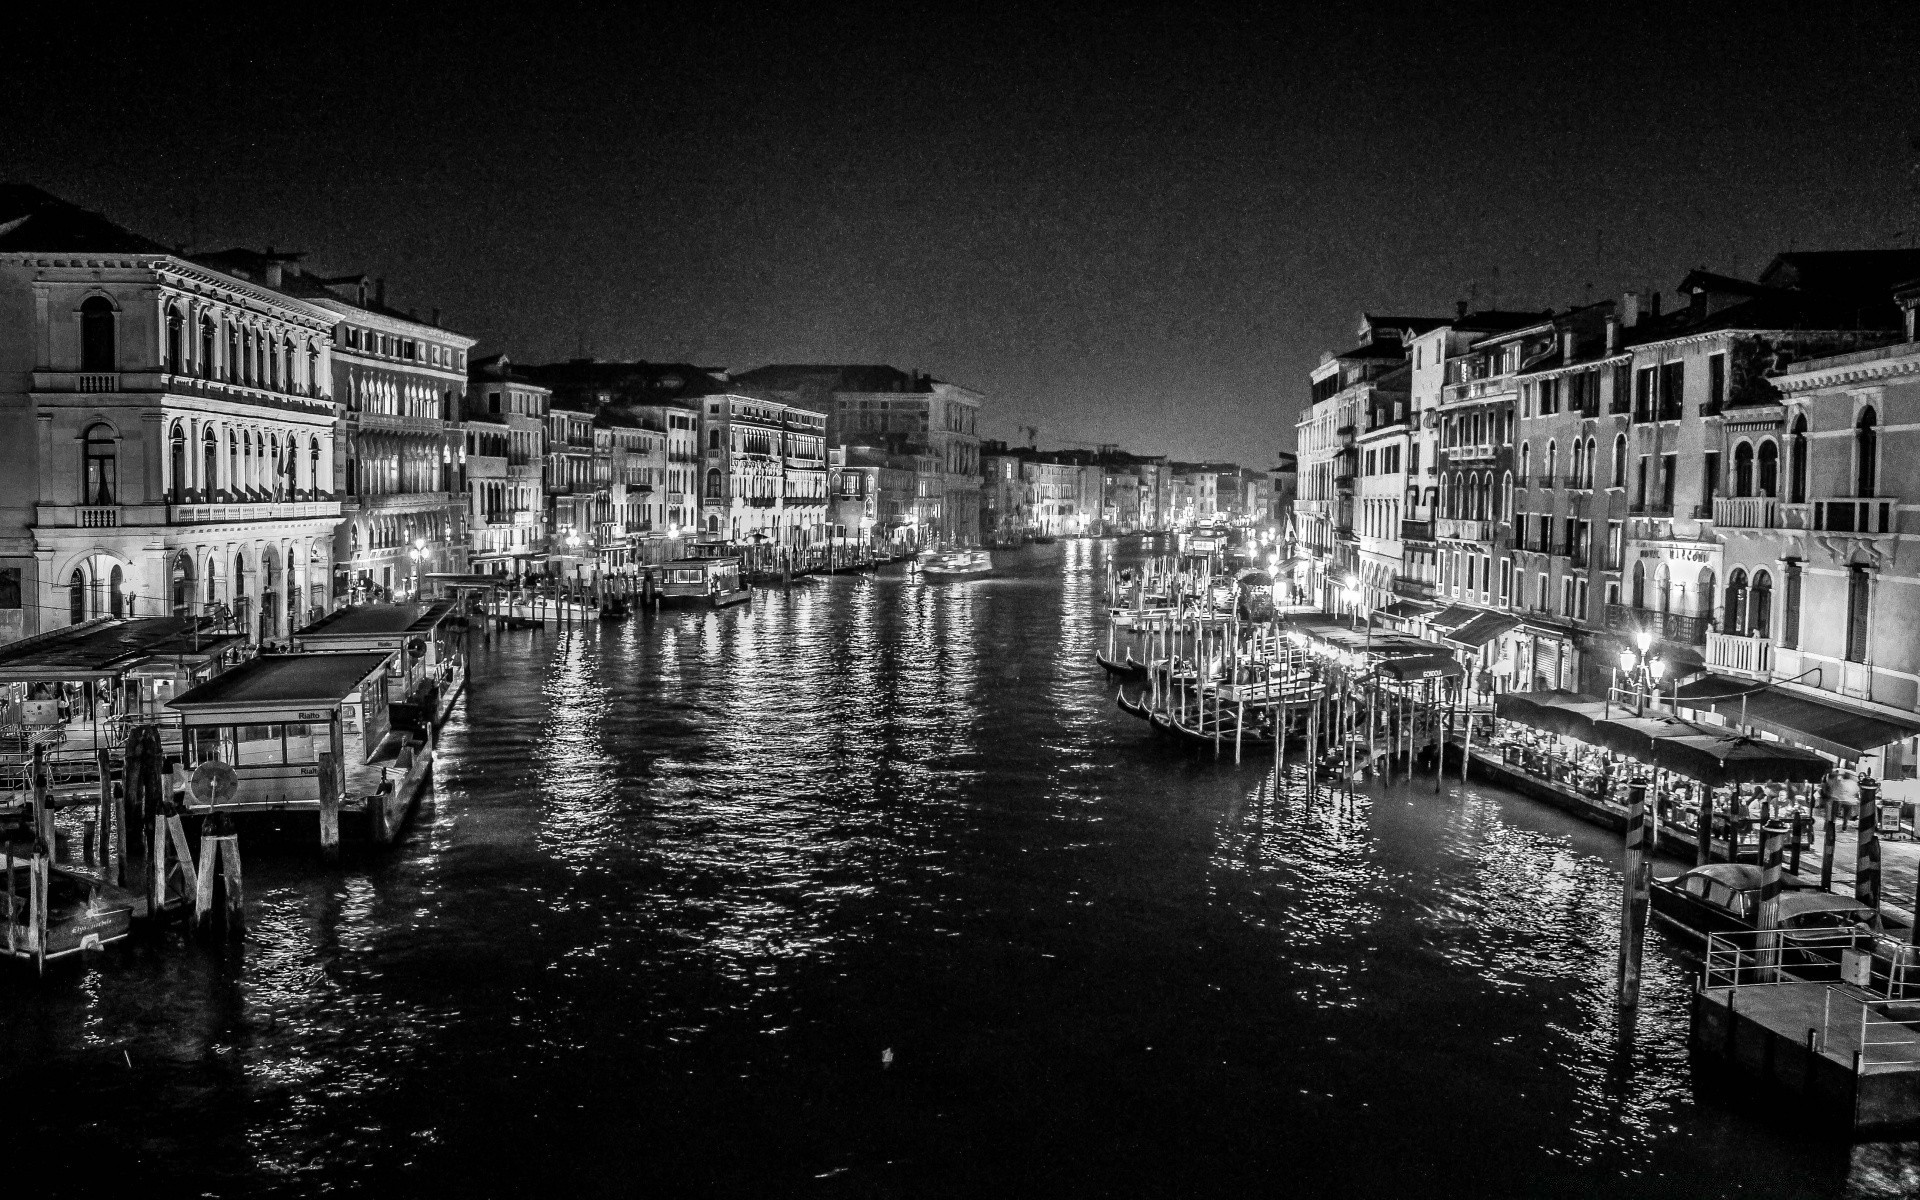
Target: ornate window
97,483
98,351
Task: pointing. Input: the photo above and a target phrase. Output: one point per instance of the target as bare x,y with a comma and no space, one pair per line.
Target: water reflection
684,880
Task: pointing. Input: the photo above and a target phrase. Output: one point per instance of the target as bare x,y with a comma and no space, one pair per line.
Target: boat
1135,708
1725,898
53,911
1041,539
958,562
1129,669
705,582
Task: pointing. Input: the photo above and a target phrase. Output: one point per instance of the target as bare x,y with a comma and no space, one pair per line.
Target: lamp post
417,553
1642,669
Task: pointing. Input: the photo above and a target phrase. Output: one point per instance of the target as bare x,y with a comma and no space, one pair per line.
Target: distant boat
958,562
1043,539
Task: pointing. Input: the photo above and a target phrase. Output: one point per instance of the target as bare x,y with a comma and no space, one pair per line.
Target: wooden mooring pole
1633,895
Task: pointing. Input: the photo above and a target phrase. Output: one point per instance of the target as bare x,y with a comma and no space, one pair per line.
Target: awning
1837,729
1453,616
1295,563
1570,713
1404,610
1709,755
1482,629
1421,666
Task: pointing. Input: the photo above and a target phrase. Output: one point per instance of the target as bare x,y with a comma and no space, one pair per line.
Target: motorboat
702,583
957,562
54,911
1725,898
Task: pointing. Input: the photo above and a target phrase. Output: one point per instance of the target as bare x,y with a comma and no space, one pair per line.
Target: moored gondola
1130,668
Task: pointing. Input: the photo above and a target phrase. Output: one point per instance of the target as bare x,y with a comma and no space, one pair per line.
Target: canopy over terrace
1699,752
1834,728
106,647
1569,713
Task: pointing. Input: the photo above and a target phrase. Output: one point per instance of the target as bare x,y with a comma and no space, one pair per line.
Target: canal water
868,890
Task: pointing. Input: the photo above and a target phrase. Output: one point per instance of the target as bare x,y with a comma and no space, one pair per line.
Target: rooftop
377,620
105,647
279,680
33,220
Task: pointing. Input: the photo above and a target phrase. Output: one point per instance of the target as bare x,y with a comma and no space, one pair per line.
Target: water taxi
702,583
958,562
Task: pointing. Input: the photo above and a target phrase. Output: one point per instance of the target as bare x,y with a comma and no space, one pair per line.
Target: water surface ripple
684,883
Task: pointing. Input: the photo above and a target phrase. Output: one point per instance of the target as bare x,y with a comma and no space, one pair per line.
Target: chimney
1697,305
1653,306
360,290
436,318
1613,334
1566,346
380,290
1630,309
1459,310
273,269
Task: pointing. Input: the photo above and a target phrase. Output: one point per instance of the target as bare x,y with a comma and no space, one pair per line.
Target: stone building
506,433
401,384
172,432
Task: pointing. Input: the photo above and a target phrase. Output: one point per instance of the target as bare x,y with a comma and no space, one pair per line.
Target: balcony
97,516
759,501
1416,531
220,514
1470,453
1574,483
1852,514
1412,589
1460,529
1746,512
1748,655
1682,629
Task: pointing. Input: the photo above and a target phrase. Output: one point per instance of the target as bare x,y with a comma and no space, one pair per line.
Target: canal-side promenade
868,889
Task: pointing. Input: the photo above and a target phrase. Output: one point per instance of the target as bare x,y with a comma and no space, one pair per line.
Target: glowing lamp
1656,668
1644,640
1628,660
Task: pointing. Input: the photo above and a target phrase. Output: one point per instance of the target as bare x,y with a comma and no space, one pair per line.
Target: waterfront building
505,431
400,382
1003,495
803,452
575,499
172,430
1196,491
875,500
742,494
1819,469
1281,495
1379,488
911,413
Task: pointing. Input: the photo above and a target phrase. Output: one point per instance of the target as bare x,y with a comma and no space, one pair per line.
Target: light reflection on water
683,881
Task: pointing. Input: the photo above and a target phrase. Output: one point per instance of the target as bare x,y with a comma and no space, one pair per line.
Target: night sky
1143,228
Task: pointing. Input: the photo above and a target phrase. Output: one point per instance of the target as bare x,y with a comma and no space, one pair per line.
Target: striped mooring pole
1633,894
1866,871
1772,837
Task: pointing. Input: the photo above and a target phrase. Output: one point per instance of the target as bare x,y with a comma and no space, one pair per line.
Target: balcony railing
1852,514
211,514
1682,629
1413,589
1463,530
1416,531
1470,453
1746,512
1751,655
109,382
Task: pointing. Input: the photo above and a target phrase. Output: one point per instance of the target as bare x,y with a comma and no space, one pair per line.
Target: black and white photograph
851,603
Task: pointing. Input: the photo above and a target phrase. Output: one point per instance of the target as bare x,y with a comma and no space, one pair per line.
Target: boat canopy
1421,666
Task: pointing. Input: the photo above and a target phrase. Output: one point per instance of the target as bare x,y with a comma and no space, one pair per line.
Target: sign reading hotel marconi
1674,553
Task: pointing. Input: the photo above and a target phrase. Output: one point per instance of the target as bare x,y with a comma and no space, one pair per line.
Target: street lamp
417,554
1643,670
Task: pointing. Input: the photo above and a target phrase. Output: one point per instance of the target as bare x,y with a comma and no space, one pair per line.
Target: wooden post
329,807
1866,875
105,823
1466,745
1239,725
1703,854
1769,915
1830,795
1633,895
1793,845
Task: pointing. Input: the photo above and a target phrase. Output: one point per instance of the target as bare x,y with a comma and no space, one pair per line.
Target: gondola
1134,708
1130,669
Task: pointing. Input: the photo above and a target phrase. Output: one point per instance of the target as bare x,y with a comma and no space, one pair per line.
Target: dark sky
1140,227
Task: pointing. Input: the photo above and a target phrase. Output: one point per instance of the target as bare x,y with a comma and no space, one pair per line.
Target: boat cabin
270,719
712,581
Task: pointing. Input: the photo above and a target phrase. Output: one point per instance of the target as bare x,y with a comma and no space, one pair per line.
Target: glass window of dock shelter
255,745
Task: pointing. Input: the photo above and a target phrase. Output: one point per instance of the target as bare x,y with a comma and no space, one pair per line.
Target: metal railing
1682,629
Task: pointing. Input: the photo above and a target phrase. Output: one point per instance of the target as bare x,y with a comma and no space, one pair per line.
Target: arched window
714,488
1760,606
1768,483
1456,507
1797,462
713,439
1506,489
313,468
206,346
1743,469
1707,596
1526,460
182,585
77,597
1663,587
1866,453
271,459
236,477
116,604
209,465
1639,584
1579,461
1620,460
177,462
1736,620
97,349
1553,462
1587,479
233,354
97,483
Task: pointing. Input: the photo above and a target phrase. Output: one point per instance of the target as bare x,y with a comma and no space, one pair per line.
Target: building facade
173,432
506,435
